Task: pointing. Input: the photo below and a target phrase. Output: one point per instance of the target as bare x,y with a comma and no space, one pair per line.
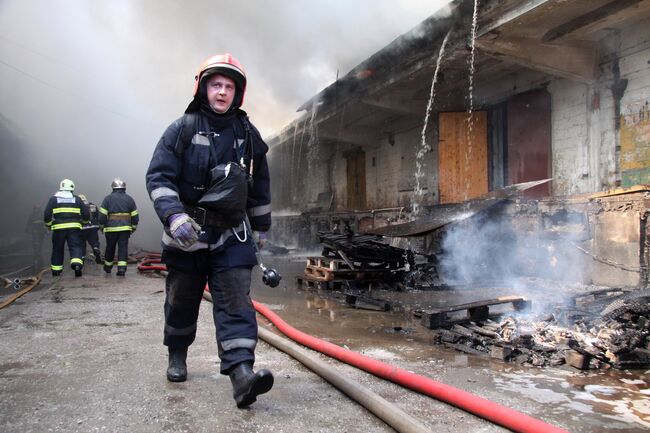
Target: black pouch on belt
228,191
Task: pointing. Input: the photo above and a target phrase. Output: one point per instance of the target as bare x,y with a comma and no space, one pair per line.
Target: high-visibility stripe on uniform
163,192
188,330
66,226
76,261
237,343
120,214
134,213
56,267
66,210
104,211
117,229
108,263
259,210
122,263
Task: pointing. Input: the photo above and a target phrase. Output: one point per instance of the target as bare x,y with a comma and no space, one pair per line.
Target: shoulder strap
186,133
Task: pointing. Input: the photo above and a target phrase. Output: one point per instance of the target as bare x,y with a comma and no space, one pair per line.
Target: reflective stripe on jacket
65,211
118,212
174,179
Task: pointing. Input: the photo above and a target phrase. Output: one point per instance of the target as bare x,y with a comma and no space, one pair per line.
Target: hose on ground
506,417
488,410
392,415
25,289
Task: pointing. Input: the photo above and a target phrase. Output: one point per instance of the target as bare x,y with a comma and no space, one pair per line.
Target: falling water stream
470,120
313,138
424,147
292,163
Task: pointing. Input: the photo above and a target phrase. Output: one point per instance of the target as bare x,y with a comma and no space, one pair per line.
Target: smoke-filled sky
87,87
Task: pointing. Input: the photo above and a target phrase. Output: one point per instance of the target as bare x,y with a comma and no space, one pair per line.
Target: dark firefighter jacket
179,173
118,212
93,223
65,211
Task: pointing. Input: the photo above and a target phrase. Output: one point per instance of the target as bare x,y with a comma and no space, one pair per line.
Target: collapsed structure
473,100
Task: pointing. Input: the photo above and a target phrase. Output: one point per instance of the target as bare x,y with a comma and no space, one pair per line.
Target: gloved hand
260,239
184,229
133,228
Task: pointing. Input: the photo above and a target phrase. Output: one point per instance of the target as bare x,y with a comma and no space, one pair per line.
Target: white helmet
66,185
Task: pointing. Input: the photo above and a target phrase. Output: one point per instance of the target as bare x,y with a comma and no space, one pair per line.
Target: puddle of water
613,400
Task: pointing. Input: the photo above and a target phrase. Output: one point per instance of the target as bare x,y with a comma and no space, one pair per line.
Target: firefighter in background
89,232
210,144
118,218
35,228
64,215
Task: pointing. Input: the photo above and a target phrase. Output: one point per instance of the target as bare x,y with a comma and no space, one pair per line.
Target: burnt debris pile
609,333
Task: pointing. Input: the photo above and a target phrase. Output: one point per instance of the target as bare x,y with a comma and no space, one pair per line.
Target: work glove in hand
184,229
260,239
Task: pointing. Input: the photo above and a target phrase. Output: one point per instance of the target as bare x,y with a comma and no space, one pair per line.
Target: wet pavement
85,355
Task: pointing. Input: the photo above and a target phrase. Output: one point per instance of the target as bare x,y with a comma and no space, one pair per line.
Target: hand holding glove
184,229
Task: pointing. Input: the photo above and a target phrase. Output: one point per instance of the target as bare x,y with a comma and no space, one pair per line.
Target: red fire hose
471,403
501,415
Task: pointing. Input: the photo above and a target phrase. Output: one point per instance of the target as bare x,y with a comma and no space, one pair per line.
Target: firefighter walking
209,183
118,218
89,231
64,215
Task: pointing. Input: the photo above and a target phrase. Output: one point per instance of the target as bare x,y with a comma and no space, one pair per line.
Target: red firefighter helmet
224,64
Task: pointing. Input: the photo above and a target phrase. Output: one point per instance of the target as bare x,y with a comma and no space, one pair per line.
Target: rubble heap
618,337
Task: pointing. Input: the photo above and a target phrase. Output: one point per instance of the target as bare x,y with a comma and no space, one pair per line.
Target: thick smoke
500,251
87,88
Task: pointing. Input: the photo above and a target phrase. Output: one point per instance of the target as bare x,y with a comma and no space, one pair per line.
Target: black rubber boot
77,270
121,271
177,370
107,269
56,273
98,256
247,385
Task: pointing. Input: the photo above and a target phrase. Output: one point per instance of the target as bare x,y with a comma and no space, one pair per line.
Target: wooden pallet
325,274
313,283
470,312
327,263
336,264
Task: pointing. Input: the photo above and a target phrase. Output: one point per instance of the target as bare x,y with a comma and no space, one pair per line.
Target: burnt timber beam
575,61
511,15
360,135
601,17
396,103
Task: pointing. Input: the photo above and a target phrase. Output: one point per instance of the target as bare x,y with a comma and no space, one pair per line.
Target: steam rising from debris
492,250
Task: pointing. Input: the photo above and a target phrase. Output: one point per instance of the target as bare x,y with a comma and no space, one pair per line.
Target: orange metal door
462,156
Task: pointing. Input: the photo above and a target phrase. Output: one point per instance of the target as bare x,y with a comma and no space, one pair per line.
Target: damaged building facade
472,101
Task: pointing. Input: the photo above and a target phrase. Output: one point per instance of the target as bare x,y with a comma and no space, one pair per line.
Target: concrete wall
591,149
599,141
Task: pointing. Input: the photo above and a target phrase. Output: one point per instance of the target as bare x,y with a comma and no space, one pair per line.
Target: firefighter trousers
90,237
59,238
121,241
232,309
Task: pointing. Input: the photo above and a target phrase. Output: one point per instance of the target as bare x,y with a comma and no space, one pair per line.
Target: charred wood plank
466,349
500,352
474,311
